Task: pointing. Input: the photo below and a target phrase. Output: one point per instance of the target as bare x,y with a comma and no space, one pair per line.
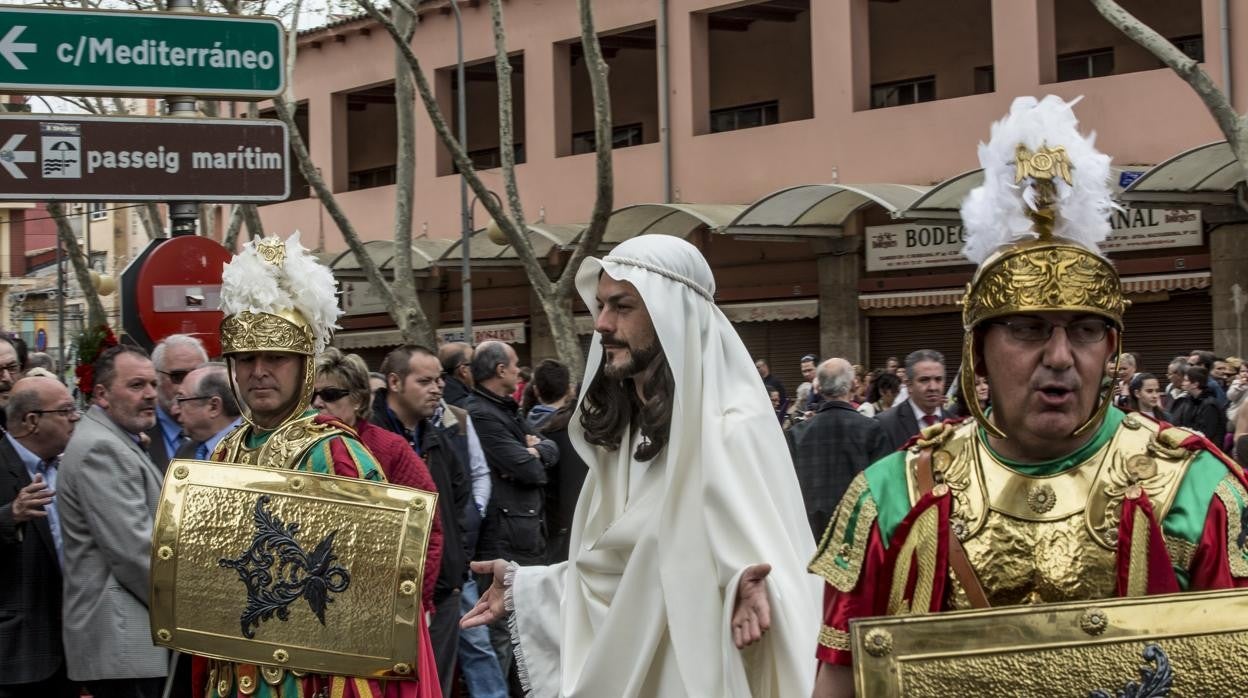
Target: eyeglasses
67,411
1089,330
190,398
176,377
331,394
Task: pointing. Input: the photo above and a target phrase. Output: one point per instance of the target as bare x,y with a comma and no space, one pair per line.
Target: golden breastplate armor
1049,539
284,448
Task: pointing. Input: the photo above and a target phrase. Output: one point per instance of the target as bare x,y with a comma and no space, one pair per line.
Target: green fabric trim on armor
886,479
1104,433
1186,519
1235,499
844,544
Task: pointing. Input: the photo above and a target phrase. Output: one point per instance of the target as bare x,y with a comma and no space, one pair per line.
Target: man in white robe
686,573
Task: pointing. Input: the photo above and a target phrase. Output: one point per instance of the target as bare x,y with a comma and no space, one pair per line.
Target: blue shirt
170,430
34,466
206,448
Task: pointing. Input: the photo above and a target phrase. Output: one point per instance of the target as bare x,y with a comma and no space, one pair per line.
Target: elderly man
925,386
41,419
206,409
1054,496
689,537
108,491
10,370
829,449
175,356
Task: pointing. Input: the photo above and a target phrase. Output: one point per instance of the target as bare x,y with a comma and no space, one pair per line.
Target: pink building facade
763,97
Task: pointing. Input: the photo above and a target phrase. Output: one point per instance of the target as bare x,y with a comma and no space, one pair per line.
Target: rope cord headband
680,278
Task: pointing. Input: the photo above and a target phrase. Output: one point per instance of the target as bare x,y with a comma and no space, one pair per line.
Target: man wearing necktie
206,409
41,418
925,383
175,357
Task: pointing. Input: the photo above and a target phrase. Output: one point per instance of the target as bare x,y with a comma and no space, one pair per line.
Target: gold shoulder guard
1139,454
284,448
844,544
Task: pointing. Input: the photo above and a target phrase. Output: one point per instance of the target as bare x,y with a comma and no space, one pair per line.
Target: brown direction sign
48,157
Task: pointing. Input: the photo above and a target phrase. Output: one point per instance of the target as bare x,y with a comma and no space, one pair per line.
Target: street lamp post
465,212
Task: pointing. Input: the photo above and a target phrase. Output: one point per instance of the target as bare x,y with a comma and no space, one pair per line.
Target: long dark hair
1137,383
611,405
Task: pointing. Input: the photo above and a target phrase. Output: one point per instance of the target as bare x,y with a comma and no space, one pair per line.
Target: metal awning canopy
819,209
944,201
424,253
1208,175
680,220
483,251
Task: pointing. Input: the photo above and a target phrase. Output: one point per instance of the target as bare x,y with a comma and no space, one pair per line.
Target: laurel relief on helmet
1057,277
262,332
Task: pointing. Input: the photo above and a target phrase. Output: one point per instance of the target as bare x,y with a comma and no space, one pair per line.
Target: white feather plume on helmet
999,212
260,279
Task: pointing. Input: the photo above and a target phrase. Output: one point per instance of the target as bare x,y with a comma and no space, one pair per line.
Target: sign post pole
183,215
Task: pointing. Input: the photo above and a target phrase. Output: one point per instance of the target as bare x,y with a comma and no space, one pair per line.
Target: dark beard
638,361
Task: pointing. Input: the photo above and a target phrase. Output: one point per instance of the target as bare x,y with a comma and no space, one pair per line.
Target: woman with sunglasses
342,391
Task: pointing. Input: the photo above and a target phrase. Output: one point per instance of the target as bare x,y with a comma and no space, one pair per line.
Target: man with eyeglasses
175,356
1051,495
41,418
10,371
206,409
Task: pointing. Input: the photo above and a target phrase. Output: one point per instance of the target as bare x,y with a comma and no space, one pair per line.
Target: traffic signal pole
183,215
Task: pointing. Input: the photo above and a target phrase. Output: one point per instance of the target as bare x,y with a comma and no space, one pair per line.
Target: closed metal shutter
781,344
1162,330
899,335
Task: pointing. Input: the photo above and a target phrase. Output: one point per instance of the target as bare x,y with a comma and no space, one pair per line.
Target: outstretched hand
489,607
751,612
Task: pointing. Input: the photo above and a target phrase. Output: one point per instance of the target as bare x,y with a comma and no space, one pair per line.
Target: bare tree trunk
1234,127
555,299
411,320
404,282
95,309
230,241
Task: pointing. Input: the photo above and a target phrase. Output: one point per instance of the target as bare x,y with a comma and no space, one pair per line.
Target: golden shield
289,569
1179,644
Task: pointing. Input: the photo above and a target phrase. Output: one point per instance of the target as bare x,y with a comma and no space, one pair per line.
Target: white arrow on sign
9,157
9,48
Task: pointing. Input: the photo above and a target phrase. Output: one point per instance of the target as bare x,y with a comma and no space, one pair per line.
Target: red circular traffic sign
174,287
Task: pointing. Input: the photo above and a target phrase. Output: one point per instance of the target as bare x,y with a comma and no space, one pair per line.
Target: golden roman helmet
277,298
1033,228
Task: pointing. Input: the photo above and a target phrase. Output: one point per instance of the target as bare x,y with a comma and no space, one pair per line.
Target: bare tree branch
506,132
1234,127
65,233
405,161
600,91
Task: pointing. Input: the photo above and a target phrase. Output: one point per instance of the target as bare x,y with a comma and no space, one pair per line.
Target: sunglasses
328,395
176,377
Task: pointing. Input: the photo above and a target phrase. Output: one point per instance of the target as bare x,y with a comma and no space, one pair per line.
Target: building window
745,116
375,177
1192,46
895,94
621,137
985,80
490,158
99,211
1085,64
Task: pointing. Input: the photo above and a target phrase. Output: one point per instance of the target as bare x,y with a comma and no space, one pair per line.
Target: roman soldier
1053,495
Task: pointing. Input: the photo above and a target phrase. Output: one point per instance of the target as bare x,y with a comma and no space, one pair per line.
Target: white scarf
644,604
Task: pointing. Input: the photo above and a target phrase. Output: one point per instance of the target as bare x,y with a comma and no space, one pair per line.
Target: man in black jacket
925,384
832,447
514,527
41,417
412,395
456,358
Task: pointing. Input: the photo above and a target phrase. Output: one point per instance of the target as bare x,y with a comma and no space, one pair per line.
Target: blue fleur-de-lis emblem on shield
277,571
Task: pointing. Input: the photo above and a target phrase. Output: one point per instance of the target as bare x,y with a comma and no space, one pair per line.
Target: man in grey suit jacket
41,417
925,383
108,494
